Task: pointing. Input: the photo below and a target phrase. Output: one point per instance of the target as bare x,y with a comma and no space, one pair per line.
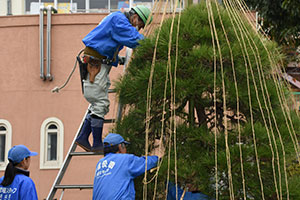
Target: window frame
8,141
50,133
51,164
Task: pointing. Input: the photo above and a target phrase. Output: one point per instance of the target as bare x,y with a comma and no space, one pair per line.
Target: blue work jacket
187,196
22,188
114,31
115,174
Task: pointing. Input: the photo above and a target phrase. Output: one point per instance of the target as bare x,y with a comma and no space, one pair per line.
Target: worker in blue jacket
101,53
185,195
115,172
16,184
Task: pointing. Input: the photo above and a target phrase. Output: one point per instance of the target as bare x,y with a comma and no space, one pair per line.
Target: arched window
52,137
5,142
52,142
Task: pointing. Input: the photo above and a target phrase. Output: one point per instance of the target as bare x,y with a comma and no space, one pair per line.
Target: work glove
122,60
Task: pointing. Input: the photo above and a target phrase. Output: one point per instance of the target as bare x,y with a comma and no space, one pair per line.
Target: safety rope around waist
56,89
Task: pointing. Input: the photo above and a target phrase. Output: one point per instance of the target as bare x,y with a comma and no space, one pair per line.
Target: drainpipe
49,12
9,12
55,4
71,6
87,6
42,75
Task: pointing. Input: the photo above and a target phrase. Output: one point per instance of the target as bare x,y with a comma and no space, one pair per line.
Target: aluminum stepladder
56,185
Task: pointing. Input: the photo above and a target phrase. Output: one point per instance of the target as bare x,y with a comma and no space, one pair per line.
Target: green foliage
280,19
195,86
281,22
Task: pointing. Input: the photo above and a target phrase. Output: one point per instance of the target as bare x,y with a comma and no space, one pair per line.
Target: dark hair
129,14
9,174
110,149
132,12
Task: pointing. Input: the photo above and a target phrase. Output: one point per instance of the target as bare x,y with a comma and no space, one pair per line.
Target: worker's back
22,187
115,173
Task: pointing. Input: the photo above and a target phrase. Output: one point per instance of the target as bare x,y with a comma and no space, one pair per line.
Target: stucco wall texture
26,100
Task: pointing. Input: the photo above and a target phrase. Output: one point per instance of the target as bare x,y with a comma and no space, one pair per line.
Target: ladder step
111,90
85,153
109,120
74,187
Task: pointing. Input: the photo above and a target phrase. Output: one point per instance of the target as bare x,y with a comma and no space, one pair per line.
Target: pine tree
197,92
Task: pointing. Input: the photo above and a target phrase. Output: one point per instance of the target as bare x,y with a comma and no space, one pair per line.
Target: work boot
99,149
97,127
84,144
83,139
97,143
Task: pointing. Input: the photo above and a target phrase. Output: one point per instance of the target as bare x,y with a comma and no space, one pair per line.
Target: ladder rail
69,155
65,164
62,194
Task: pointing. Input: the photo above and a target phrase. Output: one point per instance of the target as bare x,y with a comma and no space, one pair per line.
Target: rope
174,103
237,97
252,121
243,30
157,6
183,194
215,104
57,89
246,40
264,89
244,57
281,96
233,7
224,103
168,71
148,117
252,125
172,119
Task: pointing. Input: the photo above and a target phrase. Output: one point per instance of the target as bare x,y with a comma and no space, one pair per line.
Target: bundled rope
57,89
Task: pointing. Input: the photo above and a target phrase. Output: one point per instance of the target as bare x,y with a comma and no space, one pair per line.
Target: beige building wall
17,7
26,100
3,7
